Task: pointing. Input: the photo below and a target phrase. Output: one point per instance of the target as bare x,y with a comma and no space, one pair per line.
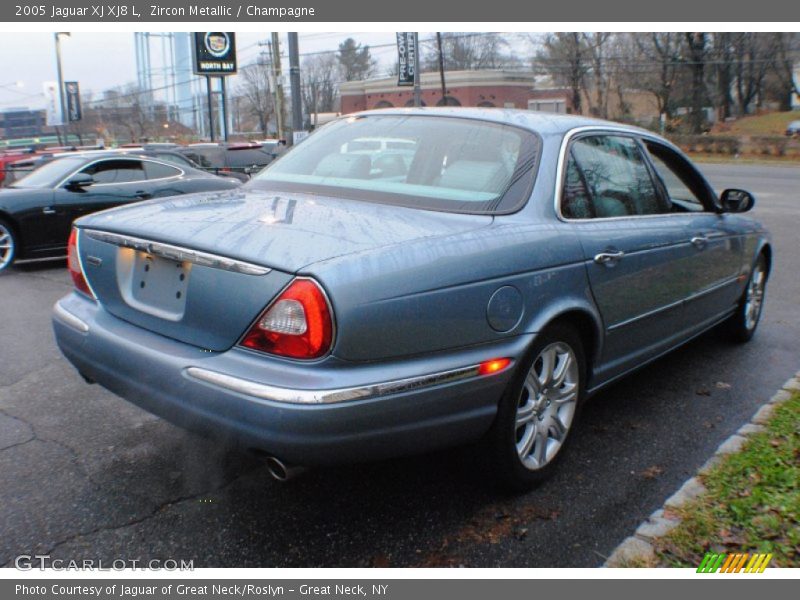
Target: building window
384,104
551,106
486,104
411,103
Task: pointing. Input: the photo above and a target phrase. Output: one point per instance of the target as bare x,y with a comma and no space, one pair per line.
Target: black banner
72,94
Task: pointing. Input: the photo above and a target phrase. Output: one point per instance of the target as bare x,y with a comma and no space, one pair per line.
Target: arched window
486,104
411,103
448,101
384,104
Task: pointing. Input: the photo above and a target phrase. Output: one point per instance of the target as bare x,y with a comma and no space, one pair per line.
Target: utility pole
275,47
57,35
417,93
294,82
441,67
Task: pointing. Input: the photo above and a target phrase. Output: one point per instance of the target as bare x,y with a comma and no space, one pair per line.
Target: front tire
743,323
8,245
538,410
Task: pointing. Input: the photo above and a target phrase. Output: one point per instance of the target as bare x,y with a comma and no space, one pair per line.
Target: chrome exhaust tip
281,471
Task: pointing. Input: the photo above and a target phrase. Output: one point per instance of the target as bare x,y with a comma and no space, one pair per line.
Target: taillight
298,324
74,265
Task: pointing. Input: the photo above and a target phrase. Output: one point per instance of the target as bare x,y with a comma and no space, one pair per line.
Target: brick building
490,88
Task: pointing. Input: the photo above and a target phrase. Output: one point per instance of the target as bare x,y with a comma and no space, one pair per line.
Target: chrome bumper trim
68,318
177,253
279,394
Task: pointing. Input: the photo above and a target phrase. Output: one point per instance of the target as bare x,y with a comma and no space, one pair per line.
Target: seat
475,176
605,206
349,166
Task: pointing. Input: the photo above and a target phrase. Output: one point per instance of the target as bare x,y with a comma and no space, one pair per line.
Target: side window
156,170
116,171
683,185
575,202
616,177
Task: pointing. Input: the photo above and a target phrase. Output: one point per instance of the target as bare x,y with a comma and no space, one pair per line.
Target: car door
718,246
636,252
116,181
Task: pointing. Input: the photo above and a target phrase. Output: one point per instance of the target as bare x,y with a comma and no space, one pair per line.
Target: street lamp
57,36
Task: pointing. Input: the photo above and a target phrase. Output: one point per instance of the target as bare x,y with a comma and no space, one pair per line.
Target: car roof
544,123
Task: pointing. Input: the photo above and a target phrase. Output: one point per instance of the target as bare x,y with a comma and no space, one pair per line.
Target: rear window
427,162
248,158
210,158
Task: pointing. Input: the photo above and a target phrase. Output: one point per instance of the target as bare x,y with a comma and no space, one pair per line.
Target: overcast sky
104,60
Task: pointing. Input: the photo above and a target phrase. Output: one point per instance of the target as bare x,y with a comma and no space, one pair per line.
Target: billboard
214,53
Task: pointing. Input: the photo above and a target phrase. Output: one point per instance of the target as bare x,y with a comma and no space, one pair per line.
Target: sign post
215,56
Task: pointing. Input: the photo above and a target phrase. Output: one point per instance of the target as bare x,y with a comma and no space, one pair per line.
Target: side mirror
737,201
79,181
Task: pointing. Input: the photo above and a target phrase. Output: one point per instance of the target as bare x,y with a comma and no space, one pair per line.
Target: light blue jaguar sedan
409,279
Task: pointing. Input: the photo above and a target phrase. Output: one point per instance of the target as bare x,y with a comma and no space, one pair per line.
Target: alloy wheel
546,405
754,297
6,246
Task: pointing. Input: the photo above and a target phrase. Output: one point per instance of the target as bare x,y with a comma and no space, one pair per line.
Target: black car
37,211
233,160
18,169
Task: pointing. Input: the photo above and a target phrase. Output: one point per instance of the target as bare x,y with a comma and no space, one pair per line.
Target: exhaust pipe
281,471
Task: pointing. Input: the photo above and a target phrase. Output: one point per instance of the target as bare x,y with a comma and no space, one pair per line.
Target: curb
639,548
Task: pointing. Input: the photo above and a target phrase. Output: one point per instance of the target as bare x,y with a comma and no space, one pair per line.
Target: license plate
158,285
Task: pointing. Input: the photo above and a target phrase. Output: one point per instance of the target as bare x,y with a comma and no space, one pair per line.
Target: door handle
142,195
48,210
608,258
699,241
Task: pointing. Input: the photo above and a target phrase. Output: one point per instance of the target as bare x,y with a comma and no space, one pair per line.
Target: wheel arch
7,218
588,324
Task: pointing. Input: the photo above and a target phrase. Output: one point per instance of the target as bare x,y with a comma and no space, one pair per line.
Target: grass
752,503
767,124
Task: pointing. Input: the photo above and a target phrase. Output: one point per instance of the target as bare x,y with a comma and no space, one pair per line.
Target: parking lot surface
85,475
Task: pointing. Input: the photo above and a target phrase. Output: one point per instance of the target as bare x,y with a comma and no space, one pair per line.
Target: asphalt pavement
85,475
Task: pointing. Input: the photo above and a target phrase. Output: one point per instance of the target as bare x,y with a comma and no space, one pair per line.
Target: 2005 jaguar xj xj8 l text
409,279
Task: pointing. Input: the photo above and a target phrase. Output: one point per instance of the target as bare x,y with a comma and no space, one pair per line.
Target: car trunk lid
201,268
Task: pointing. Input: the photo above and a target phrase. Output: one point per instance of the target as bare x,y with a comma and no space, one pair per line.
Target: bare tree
470,51
256,93
566,58
697,54
787,55
752,56
660,55
321,74
597,44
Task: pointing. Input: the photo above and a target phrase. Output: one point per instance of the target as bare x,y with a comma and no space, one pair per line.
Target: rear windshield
427,162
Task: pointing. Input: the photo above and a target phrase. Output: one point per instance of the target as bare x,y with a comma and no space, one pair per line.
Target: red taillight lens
298,324
74,265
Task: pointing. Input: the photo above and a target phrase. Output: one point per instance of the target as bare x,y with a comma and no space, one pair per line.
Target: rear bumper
327,412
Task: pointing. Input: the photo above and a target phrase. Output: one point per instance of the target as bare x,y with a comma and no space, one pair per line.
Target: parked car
793,129
521,263
37,211
21,167
233,160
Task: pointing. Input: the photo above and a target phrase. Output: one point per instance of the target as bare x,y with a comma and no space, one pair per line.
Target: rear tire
539,409
743,323
8,245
